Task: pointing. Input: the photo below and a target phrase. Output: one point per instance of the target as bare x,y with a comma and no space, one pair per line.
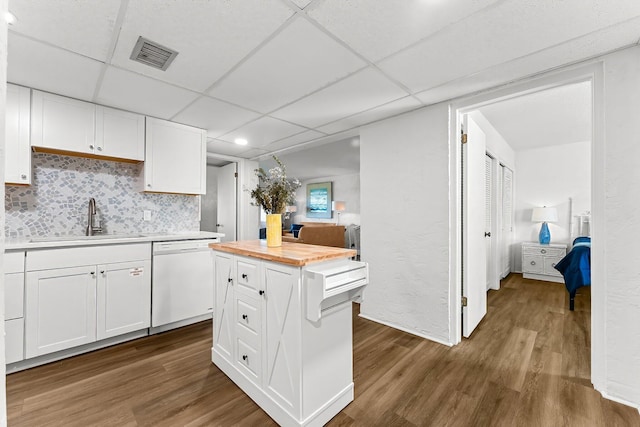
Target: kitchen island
282,326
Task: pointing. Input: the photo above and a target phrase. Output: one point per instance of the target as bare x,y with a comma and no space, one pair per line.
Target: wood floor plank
527,364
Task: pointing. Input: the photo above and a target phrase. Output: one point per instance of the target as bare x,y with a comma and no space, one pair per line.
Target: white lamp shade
338,206
544,214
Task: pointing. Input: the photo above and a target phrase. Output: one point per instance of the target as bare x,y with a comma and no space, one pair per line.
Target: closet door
488,218
507,220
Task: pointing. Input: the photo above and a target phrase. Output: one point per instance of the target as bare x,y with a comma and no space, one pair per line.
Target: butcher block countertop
296,254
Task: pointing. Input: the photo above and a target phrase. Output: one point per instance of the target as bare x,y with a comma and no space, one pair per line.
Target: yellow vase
274,230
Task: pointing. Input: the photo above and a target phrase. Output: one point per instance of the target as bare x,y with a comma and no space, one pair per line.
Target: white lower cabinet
14,306
106,293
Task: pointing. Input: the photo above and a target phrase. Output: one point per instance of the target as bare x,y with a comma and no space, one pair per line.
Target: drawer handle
245,317
244,276
533,263
90,147
261,292
245,357
544,251
229,280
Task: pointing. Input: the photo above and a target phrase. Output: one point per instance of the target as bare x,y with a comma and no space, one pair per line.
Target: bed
575,267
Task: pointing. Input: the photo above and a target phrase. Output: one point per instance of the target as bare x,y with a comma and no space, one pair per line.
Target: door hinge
463,138
235,174
464,301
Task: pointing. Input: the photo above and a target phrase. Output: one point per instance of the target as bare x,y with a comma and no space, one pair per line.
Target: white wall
548,176
3,98
404,173
344,188
496,144
619,247
209,206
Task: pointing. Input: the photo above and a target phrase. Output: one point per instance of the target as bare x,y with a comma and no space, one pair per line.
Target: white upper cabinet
119,134
17,159
175,158
68,126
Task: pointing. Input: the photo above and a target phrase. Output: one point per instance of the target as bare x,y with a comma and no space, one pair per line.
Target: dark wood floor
527,364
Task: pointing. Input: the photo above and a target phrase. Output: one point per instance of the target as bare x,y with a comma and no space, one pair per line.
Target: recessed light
10,18
241,141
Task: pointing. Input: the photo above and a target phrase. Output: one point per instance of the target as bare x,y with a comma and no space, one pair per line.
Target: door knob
218,225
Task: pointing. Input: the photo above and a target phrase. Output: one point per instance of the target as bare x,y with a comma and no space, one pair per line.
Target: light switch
146,215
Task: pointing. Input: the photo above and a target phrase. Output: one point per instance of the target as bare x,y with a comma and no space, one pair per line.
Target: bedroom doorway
550,165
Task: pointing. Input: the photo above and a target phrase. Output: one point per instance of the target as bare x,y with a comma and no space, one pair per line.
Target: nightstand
538,261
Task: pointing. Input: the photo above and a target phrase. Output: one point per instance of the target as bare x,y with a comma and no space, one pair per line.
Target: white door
227,202
474,257
507,220
123,303
488,218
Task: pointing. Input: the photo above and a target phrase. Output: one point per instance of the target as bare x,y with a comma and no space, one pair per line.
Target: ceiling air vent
153,54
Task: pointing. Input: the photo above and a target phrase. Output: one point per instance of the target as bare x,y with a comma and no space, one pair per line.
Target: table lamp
544,215
339,207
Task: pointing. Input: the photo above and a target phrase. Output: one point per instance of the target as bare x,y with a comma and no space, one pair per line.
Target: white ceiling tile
217,117
66,73
296,62
575,50
84,27
133,92
378,28
294,140
210,36
263,131
391,109
361,91
497,35
302,3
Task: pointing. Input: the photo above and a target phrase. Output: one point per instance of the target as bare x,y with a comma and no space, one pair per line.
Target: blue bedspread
576,265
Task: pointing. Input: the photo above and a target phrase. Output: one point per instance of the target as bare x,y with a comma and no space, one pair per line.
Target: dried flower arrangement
274,191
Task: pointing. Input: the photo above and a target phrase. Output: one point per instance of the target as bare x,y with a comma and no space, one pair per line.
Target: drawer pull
244,276
245,357
245,317
544,251
261,292
533,263
229,280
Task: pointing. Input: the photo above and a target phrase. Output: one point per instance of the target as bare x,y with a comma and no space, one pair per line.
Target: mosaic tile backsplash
56,204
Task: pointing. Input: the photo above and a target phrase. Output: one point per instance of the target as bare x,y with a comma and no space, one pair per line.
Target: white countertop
103,239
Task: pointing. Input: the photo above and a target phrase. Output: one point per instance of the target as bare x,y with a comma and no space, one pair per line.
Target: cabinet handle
23,176
99,148
244,316
244,276
230,280
261,292
487,234
93,274
149,185
90,147
245,357
101,271
533,263
544,251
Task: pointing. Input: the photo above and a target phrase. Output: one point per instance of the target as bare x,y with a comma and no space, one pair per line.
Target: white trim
403,329
589,71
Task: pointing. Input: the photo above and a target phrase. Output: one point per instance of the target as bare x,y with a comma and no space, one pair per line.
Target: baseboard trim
409,331
179,323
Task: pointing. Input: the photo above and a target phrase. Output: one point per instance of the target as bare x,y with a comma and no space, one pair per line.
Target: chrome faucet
91,228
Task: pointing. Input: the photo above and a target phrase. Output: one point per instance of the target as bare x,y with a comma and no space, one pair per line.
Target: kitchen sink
94,237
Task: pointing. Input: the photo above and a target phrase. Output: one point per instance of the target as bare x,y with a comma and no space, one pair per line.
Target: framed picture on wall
319,200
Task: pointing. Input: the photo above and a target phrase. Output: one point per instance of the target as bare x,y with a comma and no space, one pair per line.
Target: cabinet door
17,158
224,321
119,134
282,335
62,124
124,298
60,309
175,158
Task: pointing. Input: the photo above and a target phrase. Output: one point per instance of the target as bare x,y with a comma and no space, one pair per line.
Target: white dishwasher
182,283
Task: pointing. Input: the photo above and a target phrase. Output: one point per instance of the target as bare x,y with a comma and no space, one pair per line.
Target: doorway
591,75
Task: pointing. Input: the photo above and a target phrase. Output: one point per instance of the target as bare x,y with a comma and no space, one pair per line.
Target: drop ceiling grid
263,131
298,61
211,37
66,72
87,26
361,91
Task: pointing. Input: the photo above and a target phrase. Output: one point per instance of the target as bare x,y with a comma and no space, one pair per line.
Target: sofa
317,233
